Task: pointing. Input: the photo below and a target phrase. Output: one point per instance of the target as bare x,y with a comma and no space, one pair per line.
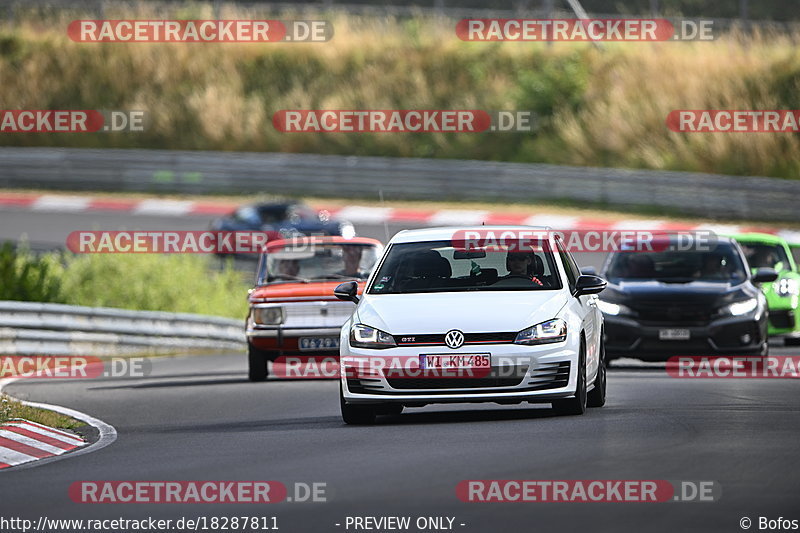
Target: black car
674,301
285,219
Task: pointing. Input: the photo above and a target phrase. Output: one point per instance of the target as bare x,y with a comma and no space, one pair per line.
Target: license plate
318,343
674,334
429,361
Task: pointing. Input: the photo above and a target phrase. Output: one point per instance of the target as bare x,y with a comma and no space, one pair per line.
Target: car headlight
270,316
362,336
545,333
739,308
786,287
609,308
347,230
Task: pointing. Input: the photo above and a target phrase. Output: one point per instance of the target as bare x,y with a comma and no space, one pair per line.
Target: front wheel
597,396
577,404
257,368
358,415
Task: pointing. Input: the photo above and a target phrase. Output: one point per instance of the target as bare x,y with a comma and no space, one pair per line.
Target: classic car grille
317,314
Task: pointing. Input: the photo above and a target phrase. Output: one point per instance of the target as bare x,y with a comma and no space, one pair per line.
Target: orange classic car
292,307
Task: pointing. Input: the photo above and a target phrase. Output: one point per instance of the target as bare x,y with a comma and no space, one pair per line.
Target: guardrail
28,328
155,171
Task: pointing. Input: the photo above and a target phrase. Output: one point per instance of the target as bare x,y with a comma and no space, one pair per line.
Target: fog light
746,338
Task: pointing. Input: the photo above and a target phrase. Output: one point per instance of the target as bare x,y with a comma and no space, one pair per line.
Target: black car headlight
548,332
614,309
740,308
362,336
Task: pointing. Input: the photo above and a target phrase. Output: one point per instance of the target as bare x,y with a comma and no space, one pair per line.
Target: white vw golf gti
481,314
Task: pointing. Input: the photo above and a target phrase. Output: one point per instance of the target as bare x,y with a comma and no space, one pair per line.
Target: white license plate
318,343
481,360
674,334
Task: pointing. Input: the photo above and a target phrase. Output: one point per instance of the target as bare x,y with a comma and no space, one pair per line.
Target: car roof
447,232
766,238
321,239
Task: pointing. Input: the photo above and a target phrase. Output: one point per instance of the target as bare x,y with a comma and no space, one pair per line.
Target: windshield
437,266
765,256
329,261
723,264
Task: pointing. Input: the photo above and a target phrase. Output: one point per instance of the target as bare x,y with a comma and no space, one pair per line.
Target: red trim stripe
23,448
40,426
41,438
3,465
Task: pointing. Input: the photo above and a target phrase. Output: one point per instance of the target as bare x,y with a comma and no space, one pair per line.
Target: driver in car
519,264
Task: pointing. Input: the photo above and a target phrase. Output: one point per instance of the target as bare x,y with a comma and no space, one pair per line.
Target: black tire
356,415
257,364
597,396
791,341
577,404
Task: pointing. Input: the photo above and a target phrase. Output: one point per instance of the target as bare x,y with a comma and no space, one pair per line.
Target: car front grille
437,339
550,376
672,313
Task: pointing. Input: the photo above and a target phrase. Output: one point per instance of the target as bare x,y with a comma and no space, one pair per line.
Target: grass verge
11,408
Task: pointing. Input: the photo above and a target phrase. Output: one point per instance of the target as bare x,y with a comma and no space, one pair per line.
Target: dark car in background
674,301
285,219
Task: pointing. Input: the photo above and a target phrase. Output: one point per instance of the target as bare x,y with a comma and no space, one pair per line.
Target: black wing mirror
347,291
588,284
765,275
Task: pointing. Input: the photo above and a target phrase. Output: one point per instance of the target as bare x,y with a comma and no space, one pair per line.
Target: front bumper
627,337
518,373
281,341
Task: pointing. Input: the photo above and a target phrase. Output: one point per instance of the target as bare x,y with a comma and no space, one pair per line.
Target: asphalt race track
198,418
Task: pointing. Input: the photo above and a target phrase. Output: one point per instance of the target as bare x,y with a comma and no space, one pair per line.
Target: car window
766,255
329,261
439,266
722,264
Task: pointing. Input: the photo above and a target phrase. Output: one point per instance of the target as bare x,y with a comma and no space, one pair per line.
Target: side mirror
765,275
589,271
347,291
588,284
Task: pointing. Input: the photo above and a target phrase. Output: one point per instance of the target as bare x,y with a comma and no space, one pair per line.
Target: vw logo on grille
454,339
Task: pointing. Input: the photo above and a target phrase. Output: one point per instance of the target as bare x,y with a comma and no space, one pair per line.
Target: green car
772,251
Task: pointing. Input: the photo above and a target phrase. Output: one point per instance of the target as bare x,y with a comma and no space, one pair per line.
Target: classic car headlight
545,333
362,336
270,316
739,308
609,308
786,287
